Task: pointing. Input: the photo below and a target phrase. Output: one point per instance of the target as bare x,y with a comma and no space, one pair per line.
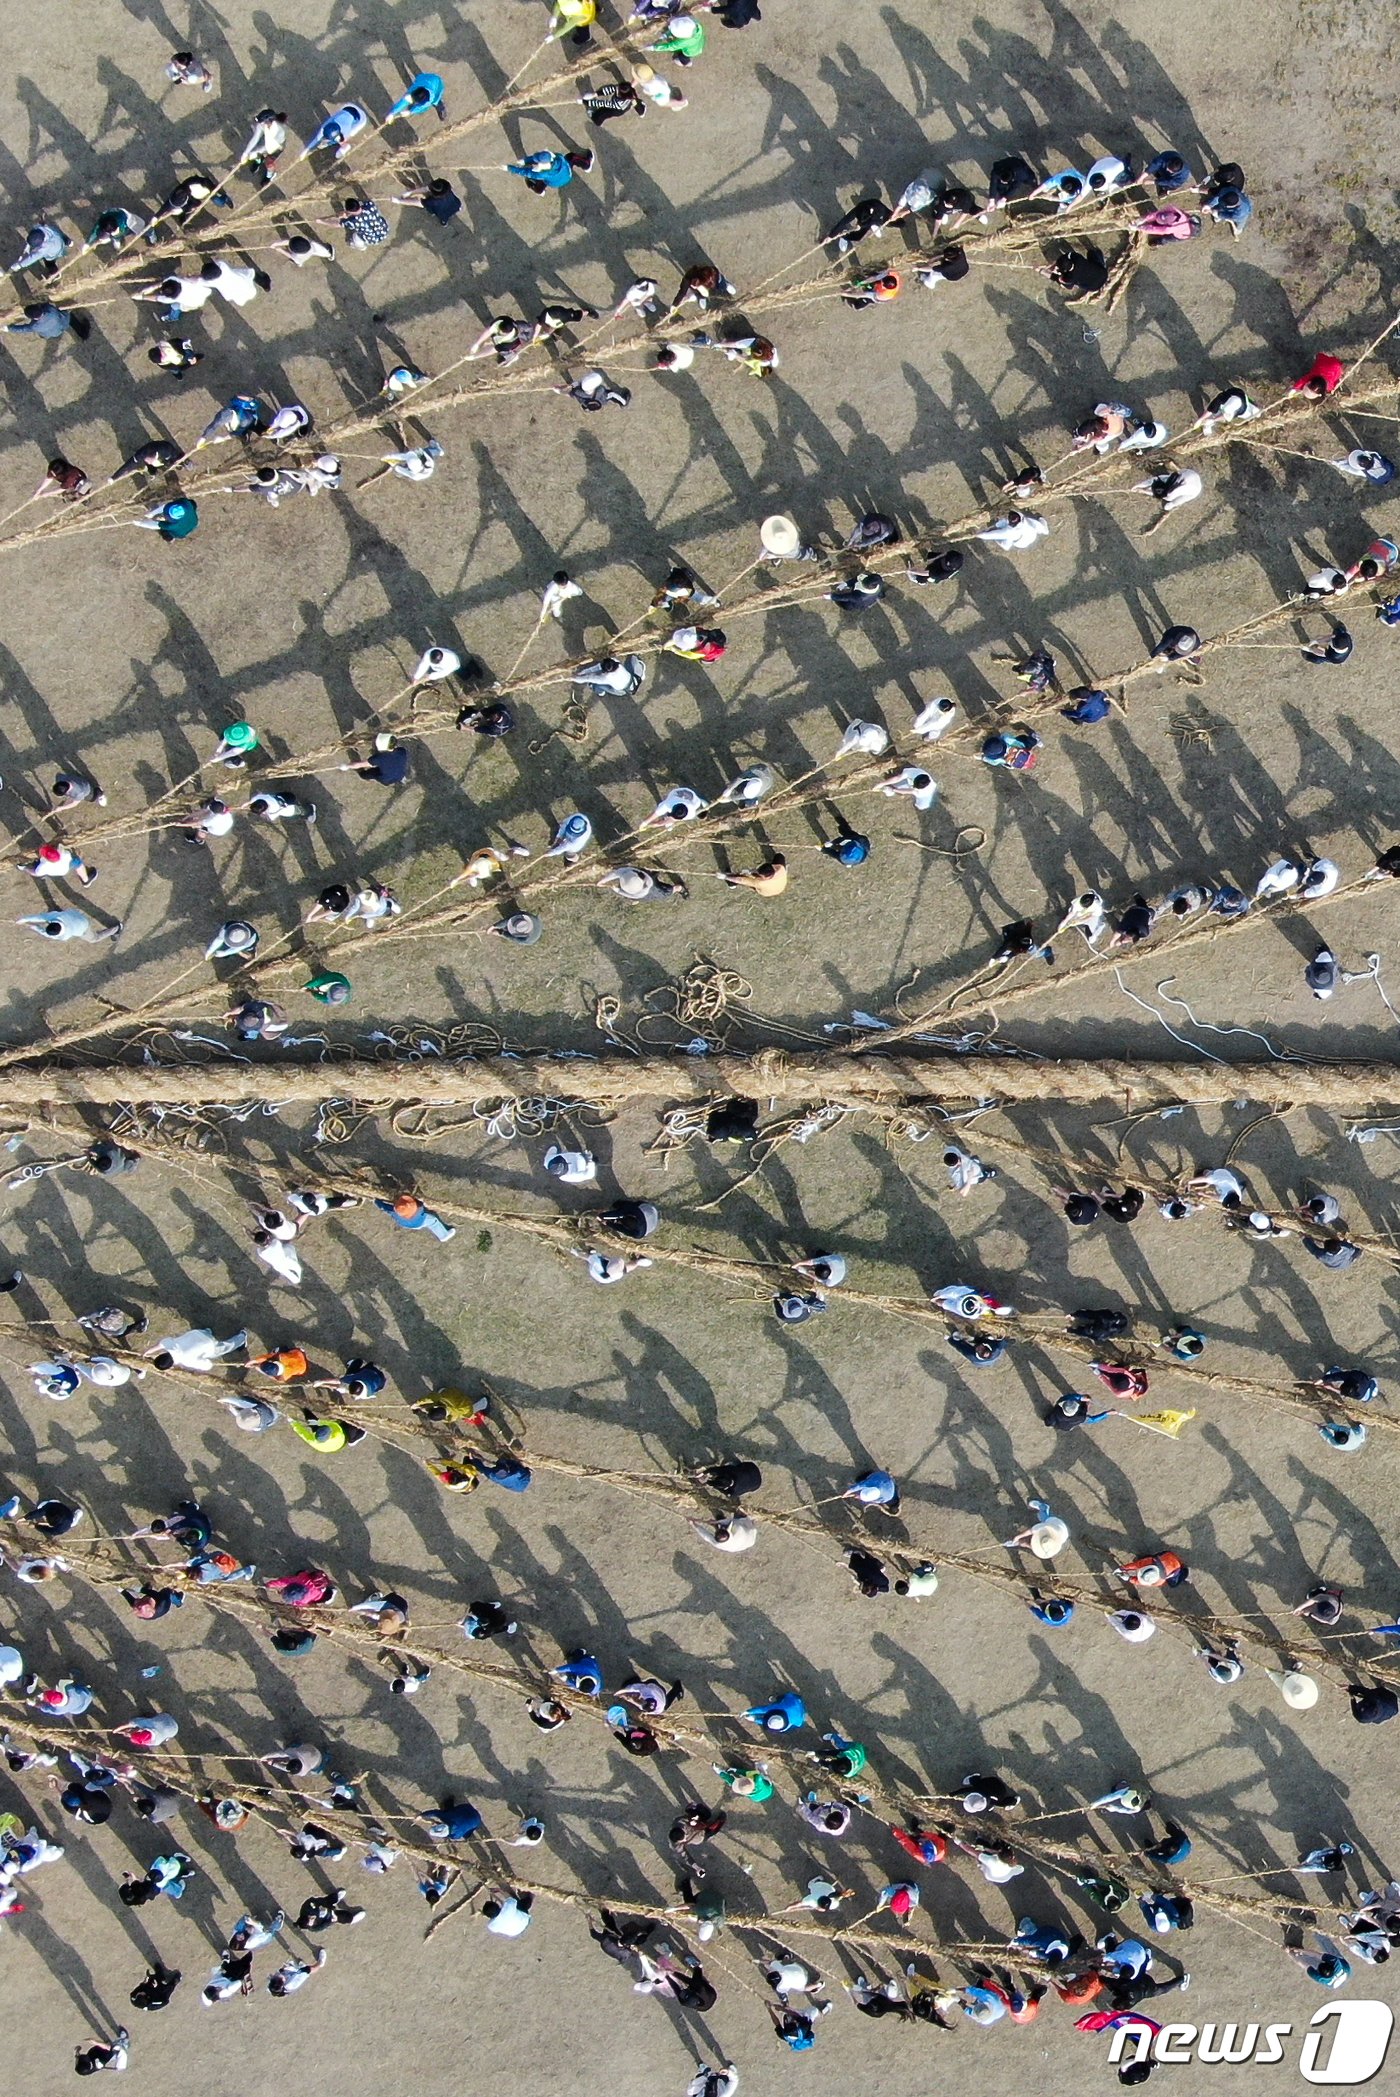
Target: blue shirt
509,1472
430,83
553,169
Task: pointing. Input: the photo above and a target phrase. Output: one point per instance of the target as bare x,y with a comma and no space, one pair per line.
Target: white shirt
192,295
1190,487
436,663
287,422
913,780
934,719
618,680
680,805
371,906
513,1920
237,285
102,1369
281,1258
960,1301
54,869
579,1166
1279,878
159,1724
1321,878
266,137
1128,1624
196,1349
1107,173
606,1267
1015,538
996,1870
317,251
743,1534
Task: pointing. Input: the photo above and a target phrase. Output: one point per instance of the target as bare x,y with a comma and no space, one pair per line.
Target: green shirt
330,987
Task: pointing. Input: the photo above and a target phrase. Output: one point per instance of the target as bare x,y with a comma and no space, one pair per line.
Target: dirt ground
130,656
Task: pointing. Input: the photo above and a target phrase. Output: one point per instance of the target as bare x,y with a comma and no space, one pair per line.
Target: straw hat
780,536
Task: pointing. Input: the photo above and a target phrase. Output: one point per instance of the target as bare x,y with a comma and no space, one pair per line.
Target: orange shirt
285,1365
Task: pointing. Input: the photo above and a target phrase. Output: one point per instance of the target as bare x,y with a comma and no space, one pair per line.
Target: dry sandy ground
132,655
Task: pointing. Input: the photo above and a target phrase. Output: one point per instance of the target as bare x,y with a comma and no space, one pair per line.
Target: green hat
330,987
241,736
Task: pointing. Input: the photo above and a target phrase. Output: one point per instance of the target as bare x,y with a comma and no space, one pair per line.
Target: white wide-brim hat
1299,1692
780,535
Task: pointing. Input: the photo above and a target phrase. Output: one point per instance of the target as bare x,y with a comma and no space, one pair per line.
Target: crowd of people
836,1787
1043,1958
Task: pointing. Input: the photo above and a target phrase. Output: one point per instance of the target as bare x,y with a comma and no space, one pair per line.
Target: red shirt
1325,367
927,1848
1083,1988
